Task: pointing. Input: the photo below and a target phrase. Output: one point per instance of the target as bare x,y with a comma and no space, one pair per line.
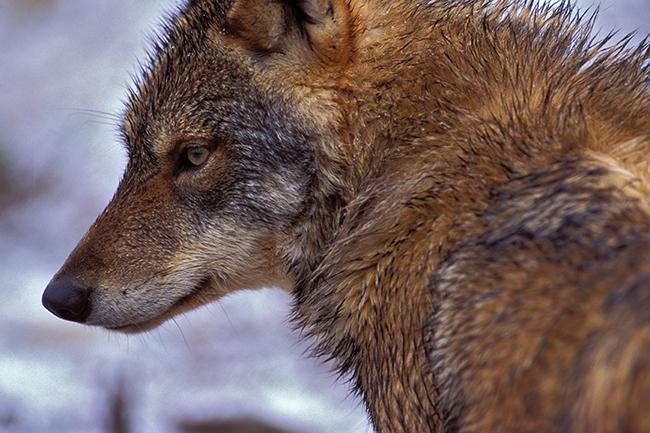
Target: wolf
455,192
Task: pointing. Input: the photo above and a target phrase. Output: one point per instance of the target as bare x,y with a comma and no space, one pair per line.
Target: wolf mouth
199,288
183,304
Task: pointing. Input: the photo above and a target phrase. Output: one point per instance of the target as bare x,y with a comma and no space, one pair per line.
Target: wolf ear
268,26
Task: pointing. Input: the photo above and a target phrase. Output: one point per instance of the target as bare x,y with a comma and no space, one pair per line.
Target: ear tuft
328,28
269,26
259,24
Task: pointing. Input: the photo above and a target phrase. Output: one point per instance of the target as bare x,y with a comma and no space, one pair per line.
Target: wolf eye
197,155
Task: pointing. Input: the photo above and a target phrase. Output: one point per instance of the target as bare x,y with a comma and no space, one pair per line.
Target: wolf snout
67,299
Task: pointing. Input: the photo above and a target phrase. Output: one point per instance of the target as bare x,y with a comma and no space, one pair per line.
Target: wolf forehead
195,87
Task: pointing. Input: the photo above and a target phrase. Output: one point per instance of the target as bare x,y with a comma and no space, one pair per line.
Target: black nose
64,298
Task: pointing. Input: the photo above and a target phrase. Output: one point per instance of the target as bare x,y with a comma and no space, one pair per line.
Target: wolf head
220,132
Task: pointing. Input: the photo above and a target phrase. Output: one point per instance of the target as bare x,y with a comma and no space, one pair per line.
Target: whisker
98,113
226,313
161,341
182,334
99,122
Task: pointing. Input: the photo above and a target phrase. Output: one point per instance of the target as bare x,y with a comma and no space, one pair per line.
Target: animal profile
455,192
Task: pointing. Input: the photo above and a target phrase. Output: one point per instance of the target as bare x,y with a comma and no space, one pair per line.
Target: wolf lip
170,312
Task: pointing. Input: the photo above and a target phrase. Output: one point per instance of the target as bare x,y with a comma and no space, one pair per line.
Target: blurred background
234,366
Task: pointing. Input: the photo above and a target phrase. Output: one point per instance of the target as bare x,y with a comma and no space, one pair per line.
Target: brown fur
456,192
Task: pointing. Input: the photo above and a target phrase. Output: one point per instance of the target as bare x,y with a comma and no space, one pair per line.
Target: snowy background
64,66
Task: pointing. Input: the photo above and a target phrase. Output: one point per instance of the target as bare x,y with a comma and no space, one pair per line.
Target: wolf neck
356,314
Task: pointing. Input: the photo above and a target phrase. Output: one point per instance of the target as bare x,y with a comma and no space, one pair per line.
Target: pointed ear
268,26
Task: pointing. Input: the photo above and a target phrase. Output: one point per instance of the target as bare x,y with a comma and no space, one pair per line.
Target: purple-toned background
59,164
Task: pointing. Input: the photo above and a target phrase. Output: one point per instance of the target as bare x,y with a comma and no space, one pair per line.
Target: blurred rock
231,426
